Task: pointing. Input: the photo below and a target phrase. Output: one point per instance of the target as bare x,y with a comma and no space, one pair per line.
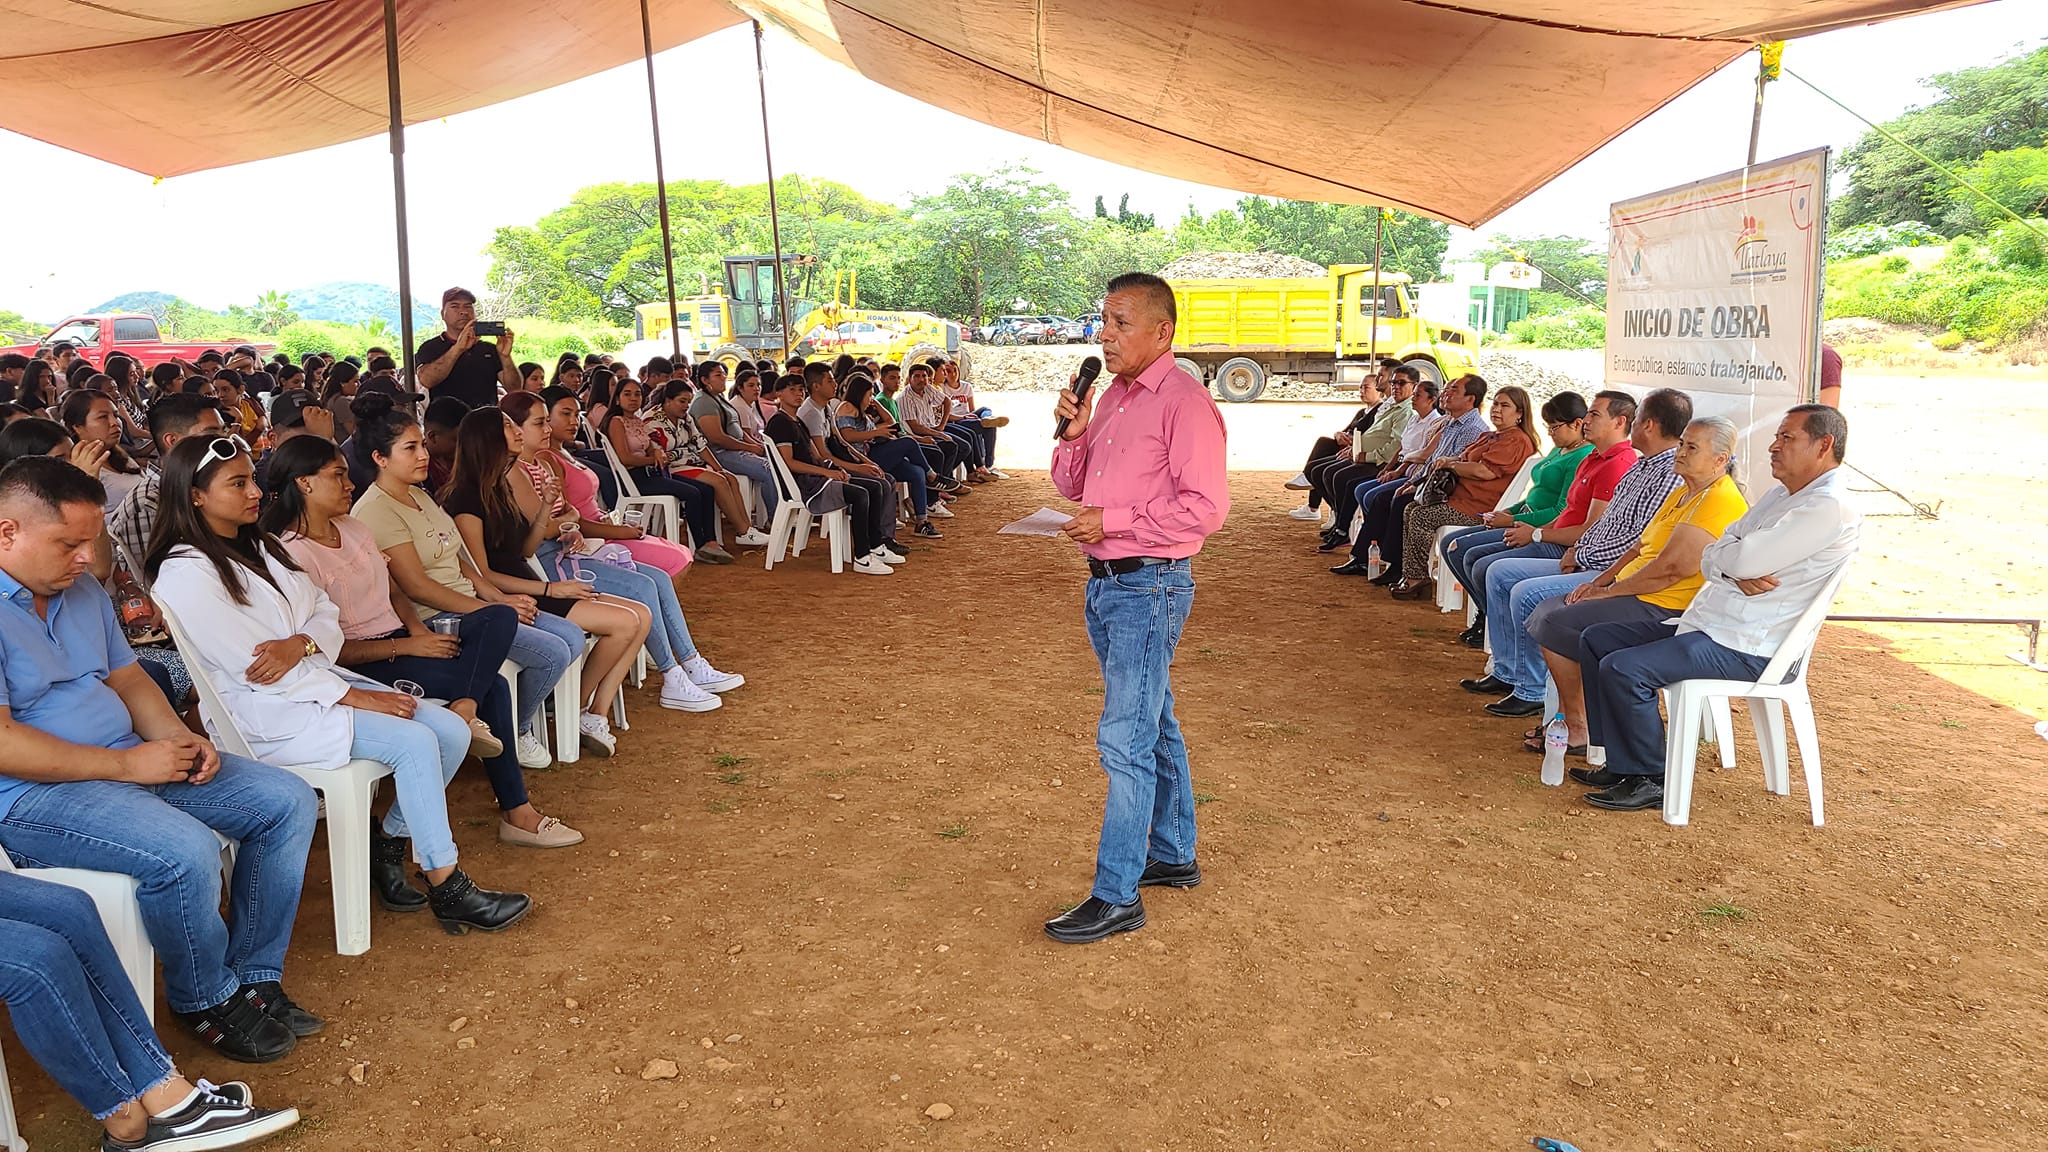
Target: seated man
1759,577
99,773
1651,581
1377,393
171,419
1515,586
1384,505
1396,443
924,409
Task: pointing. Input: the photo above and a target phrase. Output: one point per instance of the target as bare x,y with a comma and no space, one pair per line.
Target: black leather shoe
1160,874
1351,567
1095,919
286,1012
387,875
1475,636
1388,578
1595,777
460,905
241,1028
1333,544
1512,706
1631,795
1487,685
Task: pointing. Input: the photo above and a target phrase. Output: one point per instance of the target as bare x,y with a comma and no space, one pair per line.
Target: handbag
1436,487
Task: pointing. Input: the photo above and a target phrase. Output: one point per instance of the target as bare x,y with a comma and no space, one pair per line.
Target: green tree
2017,179
1986,109
1572,267
993,242
1344,234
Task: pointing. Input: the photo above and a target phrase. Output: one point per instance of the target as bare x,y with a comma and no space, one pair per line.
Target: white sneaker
1306,513
533,751
869,566
1299,483
999,474
597,733
888,555
753,538
704,676
938,511
679,692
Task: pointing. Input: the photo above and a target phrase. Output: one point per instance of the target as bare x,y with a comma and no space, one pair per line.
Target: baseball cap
454,294
288,408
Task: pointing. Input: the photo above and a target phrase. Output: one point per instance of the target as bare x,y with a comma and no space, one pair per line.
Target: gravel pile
1502,369
1024,367
1221,265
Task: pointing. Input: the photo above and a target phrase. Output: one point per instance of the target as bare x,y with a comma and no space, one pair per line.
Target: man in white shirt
1763,572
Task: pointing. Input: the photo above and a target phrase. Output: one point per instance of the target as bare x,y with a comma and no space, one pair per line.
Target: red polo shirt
1595,480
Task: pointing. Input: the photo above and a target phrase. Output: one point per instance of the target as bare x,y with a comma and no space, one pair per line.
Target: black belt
1099,569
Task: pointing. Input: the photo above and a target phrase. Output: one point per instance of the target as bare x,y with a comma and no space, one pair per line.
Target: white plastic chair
1449,595
10,1132
1688,698
576,699
793,518
664,513
345,792
113,894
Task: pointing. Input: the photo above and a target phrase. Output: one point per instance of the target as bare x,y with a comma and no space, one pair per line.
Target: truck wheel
1240,380
966,362
1427,369
1188,366
918,354
732,356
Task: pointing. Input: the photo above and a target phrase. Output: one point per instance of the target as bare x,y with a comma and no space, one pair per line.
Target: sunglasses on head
221,449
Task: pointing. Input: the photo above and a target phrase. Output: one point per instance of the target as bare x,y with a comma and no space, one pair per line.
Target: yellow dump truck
1238,333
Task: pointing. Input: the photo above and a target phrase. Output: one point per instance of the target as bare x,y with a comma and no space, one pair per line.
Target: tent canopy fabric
1453,110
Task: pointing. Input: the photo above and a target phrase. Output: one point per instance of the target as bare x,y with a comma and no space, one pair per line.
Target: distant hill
340,301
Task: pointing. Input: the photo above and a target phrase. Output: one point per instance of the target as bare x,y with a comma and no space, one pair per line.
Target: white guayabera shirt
1800,538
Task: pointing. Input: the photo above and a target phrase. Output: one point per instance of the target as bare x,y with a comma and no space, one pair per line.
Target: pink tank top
579,486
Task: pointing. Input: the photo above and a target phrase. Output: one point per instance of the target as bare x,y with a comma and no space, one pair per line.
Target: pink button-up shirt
1152,460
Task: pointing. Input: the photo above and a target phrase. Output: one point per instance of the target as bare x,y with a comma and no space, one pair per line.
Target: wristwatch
1537,536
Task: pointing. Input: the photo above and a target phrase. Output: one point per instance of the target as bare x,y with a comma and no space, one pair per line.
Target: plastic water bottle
1556,735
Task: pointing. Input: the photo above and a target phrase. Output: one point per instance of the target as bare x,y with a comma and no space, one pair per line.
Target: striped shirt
1641,491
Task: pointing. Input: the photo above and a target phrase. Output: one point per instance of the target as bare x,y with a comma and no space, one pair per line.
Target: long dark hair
180,524
379,420
338,378
297,457
481,461
72,415
30,436
33,392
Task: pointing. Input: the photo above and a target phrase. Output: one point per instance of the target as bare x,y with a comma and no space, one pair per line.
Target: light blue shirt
53,671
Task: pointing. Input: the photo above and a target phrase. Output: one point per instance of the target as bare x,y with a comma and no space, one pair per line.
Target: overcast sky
80,231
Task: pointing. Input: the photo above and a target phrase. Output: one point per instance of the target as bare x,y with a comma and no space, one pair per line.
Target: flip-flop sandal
1532,741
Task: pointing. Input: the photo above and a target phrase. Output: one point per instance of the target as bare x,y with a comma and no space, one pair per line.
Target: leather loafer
1387,578
1415,590
1514,706
1095,919
1160,874
1631,795
1487,685
1351,567
1595,777
1333,545
1474,637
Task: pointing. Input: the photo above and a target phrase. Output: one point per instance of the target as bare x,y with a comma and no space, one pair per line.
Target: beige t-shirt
429,530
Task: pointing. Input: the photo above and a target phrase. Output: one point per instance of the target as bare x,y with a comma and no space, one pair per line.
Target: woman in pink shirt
542,433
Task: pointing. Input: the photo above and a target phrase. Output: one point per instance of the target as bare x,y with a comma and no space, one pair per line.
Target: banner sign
1713,288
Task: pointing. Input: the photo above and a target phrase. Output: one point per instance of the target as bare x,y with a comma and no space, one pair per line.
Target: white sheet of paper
1044,522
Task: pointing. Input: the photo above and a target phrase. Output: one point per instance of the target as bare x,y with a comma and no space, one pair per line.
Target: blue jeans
903,460
698,502
1625,663
1514,588
472,674
70,999
163,835
1134,622
754,468
424,753
668,641
971,443
1479,566
543,650
1466,545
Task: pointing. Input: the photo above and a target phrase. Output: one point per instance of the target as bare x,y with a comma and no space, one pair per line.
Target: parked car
1060,330
134,334
1017,329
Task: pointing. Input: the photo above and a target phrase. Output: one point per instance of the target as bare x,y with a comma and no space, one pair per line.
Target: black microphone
1090,369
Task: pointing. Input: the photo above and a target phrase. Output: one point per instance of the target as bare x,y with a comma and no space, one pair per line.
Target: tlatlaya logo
1754,255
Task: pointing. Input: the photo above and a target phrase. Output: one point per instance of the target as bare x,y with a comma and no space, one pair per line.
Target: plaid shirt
1638,495
133,521
1461,434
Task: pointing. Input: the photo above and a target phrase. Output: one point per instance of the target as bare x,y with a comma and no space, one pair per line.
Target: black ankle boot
460,905
387,874
1475,636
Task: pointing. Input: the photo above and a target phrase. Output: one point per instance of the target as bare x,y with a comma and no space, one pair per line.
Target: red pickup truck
131,333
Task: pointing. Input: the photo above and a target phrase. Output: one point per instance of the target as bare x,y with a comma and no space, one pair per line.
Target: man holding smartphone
457,363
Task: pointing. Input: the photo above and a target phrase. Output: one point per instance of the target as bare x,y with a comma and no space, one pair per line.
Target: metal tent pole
397,104
774,215
668,249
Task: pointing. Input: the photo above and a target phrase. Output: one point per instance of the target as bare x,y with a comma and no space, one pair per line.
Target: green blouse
1548,483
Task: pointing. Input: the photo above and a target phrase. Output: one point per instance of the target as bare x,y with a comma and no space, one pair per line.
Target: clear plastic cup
410,689
634,518
445,625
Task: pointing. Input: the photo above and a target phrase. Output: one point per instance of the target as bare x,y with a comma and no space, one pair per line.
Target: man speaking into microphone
1144,457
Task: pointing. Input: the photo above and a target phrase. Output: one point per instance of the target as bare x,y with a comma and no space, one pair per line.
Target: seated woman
383,637
93,417
339,389
266,638
76,1013
1549,482
1653,581
688,680
1484,472
480,497
647,463
425,555
689,456
902,458
583,486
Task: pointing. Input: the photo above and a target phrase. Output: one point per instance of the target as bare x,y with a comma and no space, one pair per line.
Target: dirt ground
822,902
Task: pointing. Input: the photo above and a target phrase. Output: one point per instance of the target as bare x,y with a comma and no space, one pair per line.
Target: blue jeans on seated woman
1465,547
699,503
543,650
668,641
70,999
486,636
423,753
